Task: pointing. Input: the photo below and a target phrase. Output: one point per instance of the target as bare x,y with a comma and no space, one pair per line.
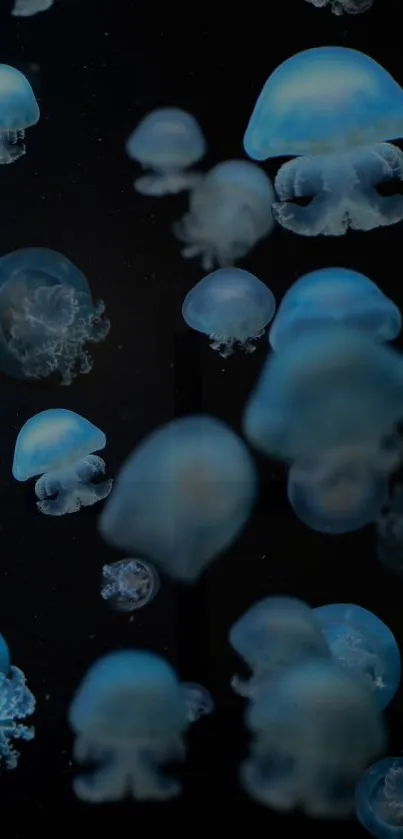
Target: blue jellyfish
198,700
335,297
47,316
230,210
129,715
340,7
58,444
314,730
27,8
183,496
331,108
168,141
362,643
389,529
379,798
232,307
129,584
18,111
5,660
16,703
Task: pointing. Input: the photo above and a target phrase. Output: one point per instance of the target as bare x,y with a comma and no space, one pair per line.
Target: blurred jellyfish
183,496
167,141
274,634
129,584
18,111
340,7
232,307
129,715
230,210
198,700
58,445
335,297
16,703
47,316
331,108
389,527
364,645
314,730
379,798
27,8
5,660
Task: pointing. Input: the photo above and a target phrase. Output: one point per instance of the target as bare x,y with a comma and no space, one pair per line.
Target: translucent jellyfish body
167,141
340,7
379,798
389,527
333,107
183,496
58,444
232,307
230,210
16,703
18,111
335,297
5,660
314,730
198,700
129,716
129,584
27,8
363,644
47,316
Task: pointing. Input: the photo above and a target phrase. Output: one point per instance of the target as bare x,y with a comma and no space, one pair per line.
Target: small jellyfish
379,798
182,497
18,111
27,8
129,584
340,7
198,700
230,210
129,715
389,529
232,307
334,297
58,444
167,141
16,703
47,316
364,645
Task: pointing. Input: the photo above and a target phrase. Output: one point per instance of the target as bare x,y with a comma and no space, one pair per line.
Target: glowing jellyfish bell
379,798
18,111
58,444
27,8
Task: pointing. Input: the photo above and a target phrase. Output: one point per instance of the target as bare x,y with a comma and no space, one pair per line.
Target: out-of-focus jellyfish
340,7
16,703
167,141
183,496
58,444
47,316
379,798
18,111
199,702
129,715
27,8
274,634
230,210
362,643
331,108
232,307
335,297
5,660
314,730
129,584
389,527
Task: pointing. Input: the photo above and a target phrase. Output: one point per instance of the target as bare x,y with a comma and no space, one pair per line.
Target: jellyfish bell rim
374,775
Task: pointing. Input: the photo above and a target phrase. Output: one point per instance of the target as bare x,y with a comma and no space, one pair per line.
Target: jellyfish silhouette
389,530
27,8
16,703
379,798
198,700
340,7
18,111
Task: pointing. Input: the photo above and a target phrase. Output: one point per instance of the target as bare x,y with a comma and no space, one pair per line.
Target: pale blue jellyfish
167,141
230,210
364,645
5,660
58,444
334,297
331,108
18,111
232,307
389,528
27,8
340,7
379,798
129,584
182,497
314,731
129,717
47,316
198,700
16,703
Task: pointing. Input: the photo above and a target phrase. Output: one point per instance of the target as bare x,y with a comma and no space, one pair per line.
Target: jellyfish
314,730
182,497
198,700
27,8
232,307
229,212
340,7
379,798
389,530
16,703
129,716
129,584
47,316
5,660
331,108
18,111
58,444
168,141
335,297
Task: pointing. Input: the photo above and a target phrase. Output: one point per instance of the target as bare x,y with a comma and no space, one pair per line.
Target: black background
96,69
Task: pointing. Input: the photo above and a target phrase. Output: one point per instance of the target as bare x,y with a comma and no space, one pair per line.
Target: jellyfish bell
18,111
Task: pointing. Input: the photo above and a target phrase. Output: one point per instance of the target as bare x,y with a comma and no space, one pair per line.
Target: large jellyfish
363,644
230,210
183,496
18,111
47,316
58,444
379,798
332,297
167,141
129,715
16,703
314,730
340,7
27,8
331,108
129,584
389,528
232,307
